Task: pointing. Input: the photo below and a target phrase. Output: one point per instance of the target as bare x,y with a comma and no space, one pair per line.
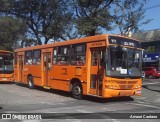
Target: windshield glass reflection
6,64
124,61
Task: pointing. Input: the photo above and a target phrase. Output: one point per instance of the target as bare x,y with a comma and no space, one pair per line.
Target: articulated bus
6,66
103,66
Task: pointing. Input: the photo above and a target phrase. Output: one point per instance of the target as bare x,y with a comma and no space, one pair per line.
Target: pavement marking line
83,111
73,120
144,105
108,109
150,83
141,102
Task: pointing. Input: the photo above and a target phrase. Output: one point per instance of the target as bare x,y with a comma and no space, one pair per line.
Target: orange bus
103,66
6,66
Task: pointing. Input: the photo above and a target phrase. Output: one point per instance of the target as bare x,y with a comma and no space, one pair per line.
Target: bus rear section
6,66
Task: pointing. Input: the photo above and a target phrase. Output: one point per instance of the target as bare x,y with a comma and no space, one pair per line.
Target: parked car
151,72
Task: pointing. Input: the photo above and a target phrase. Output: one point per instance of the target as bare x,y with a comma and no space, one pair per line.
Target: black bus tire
30,82
77,91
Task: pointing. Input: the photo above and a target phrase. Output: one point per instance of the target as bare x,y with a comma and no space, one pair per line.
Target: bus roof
69,42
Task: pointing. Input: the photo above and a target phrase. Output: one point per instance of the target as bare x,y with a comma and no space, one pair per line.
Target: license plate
125,93
138,92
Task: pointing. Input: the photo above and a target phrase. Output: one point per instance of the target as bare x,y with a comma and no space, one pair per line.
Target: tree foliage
92,15
68,19
11,30
45,18
129,14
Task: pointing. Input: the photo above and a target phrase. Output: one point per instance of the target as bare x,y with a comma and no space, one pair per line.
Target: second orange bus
6,66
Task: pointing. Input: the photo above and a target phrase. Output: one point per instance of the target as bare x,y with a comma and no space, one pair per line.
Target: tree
11,30
128,15
68,19
70,32
26,42
45,18
91,16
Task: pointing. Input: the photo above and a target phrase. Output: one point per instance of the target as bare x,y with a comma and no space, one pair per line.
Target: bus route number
129,43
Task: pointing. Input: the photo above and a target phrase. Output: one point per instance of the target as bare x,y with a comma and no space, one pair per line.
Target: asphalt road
17,98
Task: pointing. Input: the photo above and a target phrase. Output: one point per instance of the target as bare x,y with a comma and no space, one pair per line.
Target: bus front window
6,64
124,62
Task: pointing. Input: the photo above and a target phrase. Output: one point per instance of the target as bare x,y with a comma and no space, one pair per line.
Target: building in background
151,45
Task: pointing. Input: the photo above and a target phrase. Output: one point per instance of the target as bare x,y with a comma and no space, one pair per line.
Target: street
17,98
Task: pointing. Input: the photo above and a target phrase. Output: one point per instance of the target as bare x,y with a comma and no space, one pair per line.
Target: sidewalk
150,81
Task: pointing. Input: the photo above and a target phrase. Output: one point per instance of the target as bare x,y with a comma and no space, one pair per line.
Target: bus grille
126,84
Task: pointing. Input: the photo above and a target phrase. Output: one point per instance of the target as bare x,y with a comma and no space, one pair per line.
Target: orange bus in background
6,66
103,66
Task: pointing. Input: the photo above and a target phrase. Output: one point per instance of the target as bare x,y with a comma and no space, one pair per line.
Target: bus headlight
138,86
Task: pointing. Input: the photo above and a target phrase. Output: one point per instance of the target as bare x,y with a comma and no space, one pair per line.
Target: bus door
46,68
20,67
97,70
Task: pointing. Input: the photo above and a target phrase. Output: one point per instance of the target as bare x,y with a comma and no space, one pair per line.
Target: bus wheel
77,91
150,76
30,82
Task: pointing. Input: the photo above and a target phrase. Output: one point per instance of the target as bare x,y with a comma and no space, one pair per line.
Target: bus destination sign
124,41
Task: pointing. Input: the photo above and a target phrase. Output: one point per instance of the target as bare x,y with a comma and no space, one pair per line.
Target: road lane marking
151,106
84,111
73,120
150,83
141,101
108,109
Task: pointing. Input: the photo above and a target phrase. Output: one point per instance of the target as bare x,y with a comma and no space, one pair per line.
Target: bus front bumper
108,93
8,79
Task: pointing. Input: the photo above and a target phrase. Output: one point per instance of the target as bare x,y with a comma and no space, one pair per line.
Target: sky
152,12
152,8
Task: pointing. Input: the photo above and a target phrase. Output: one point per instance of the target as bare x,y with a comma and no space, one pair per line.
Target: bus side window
54,56
78,54
28,57
49,61
36,57
62,57
94,58
102,57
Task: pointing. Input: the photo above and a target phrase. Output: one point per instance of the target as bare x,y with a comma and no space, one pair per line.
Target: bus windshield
6,64
124,62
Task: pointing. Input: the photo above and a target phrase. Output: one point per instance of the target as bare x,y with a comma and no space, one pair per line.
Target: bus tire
30,82
77,91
